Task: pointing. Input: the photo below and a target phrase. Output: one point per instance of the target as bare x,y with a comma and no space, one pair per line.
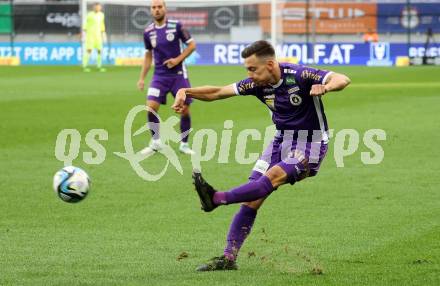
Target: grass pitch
357,225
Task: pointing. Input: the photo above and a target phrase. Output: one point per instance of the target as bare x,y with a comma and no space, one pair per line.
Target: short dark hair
259,48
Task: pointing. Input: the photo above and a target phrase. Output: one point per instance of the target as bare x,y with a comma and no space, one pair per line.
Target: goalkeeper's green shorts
93,43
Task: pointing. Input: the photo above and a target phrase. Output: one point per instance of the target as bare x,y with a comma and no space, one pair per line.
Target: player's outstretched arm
148,58
205,93
334,82
170,63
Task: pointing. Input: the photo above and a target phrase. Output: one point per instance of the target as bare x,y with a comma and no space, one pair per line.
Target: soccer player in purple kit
293,95
163,41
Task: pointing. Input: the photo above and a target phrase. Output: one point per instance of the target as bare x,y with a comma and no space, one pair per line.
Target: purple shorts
281,152
161,85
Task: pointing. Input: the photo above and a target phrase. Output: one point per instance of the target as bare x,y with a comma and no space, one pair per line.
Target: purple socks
238,231
153,124
248,192
185,125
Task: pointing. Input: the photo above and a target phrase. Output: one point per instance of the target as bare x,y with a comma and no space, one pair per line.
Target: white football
71,184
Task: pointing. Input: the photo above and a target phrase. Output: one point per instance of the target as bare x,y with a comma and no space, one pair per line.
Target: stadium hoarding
224,53
47,18
59,18
195,19
401,18
331,18
5,18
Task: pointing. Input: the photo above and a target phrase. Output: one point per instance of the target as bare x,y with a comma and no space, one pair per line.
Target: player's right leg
154,126
269,158
86,58
276,176
156,95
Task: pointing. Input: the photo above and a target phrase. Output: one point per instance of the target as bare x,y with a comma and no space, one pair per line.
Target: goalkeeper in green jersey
94,30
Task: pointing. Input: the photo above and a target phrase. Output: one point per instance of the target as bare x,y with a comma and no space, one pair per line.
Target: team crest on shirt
170,37
295,99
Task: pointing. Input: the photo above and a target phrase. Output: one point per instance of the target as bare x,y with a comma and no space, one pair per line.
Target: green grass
359,225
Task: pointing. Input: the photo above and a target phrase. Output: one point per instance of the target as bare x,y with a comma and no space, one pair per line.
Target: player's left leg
99,61
239,230
240,227
185,127
85,59
185,119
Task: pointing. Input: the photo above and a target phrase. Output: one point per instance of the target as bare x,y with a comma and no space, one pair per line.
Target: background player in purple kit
163,41
293,94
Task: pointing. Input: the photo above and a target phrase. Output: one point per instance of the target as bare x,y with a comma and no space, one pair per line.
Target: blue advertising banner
225,53
418,17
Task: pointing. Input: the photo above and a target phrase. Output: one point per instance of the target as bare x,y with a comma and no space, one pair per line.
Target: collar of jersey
160,27
278,83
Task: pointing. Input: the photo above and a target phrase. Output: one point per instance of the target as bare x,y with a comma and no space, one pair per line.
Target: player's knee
302,169
255,204
276,175
151,104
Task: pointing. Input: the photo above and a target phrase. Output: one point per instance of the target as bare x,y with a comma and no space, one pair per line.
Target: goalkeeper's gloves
104,37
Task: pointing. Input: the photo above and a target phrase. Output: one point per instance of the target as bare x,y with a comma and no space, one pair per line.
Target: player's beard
261,82
159,18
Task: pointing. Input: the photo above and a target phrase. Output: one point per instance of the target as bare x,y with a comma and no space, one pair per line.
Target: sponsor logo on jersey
289,71
270,103
295,99
246,86
269,100
153,41
270,96
290,80
293,90
268,90
310,75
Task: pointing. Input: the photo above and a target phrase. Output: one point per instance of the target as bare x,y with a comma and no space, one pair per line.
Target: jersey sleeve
147,42
102,26
244,87
86,22
310,76
183,33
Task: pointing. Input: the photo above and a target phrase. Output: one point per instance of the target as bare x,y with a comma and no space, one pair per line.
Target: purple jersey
289,100
166,42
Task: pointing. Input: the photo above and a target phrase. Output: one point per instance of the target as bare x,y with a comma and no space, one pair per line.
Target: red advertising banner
190,18
330,18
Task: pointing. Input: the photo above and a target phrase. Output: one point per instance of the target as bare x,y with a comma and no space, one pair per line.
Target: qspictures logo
208,145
